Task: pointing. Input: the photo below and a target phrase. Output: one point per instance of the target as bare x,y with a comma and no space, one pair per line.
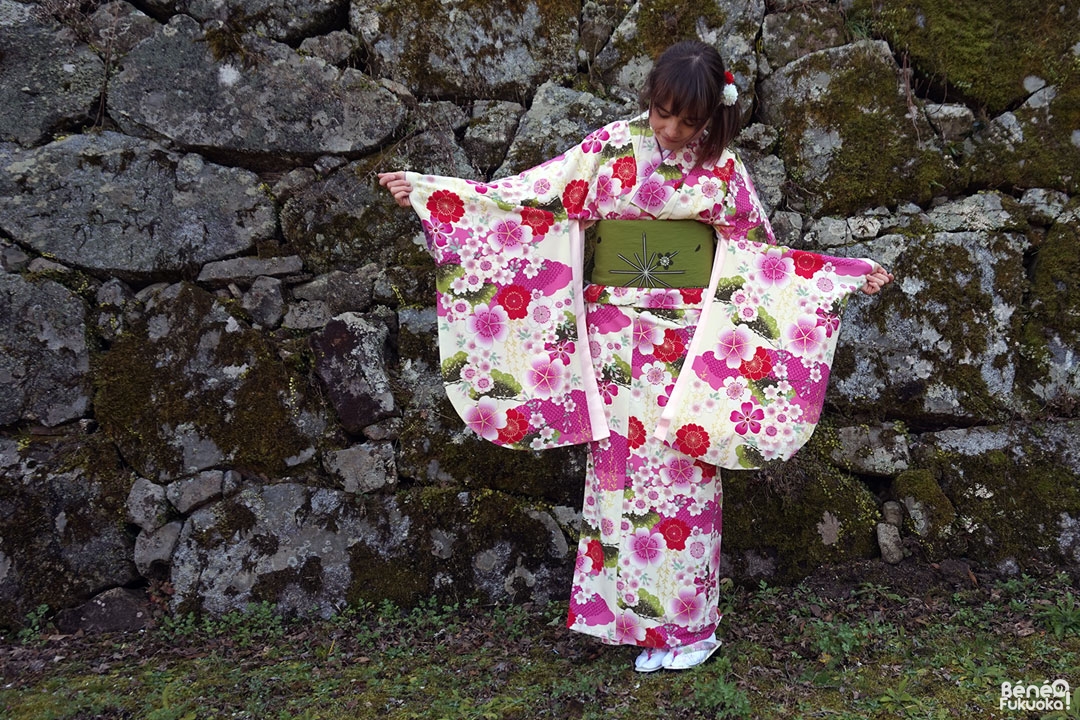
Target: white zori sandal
651,659
688,656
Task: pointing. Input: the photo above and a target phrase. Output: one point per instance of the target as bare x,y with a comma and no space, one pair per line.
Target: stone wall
218,370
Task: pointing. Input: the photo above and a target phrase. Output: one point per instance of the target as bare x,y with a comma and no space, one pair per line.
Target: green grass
822,649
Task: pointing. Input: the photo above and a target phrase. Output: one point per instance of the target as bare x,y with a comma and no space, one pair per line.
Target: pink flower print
717,215
735,346
652,195
687,607
828,321
747,419
646,335
773,269
656,373
508,236
560,351
804,336
747,313
541,314
605,189
608,391
697,549
663,299
541,186
545,377
437,233
824,284
488,324
709,188
680,473
595,142
646,548
485,418
735,387
628,631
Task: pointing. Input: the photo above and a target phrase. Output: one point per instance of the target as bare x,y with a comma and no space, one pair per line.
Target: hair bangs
684,94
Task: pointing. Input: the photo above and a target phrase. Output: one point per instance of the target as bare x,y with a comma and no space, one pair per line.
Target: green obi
653,253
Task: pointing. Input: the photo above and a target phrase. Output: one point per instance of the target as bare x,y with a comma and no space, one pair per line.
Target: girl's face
673,132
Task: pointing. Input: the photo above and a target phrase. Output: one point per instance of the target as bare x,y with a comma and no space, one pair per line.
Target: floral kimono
664,384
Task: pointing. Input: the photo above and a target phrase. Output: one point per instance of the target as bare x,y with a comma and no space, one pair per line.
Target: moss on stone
430,27
1009,500
879,159
146,391
407,569
930,513
803,514
64,524
1053,315
979,50
664,22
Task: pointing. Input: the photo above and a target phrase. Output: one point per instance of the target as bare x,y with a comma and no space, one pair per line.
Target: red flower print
573,197
445,206
625,169
515,301
671,348
748,418
758,366
725,171
807,263
654,638
635,434
539,220
516,427
593,293
691,295
707,471
692,440
675,532
595,552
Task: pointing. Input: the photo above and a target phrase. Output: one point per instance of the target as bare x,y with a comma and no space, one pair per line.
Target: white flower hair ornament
730,93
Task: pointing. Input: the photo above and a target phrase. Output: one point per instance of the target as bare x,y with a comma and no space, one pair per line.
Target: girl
691,344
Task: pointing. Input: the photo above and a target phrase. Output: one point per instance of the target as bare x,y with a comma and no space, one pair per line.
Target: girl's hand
395,182
877,280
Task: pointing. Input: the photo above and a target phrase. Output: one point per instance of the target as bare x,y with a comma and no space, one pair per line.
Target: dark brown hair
688,80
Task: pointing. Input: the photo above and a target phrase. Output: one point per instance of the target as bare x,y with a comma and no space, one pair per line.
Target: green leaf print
765,325
451,367
612,151
665,313
727,287
758,388
749,457
648,520
618,372
445,275
648,605
611,556
504,385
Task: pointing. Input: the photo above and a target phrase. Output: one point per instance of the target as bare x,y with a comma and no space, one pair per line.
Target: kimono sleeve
556,191
741,216
514,359
766,349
